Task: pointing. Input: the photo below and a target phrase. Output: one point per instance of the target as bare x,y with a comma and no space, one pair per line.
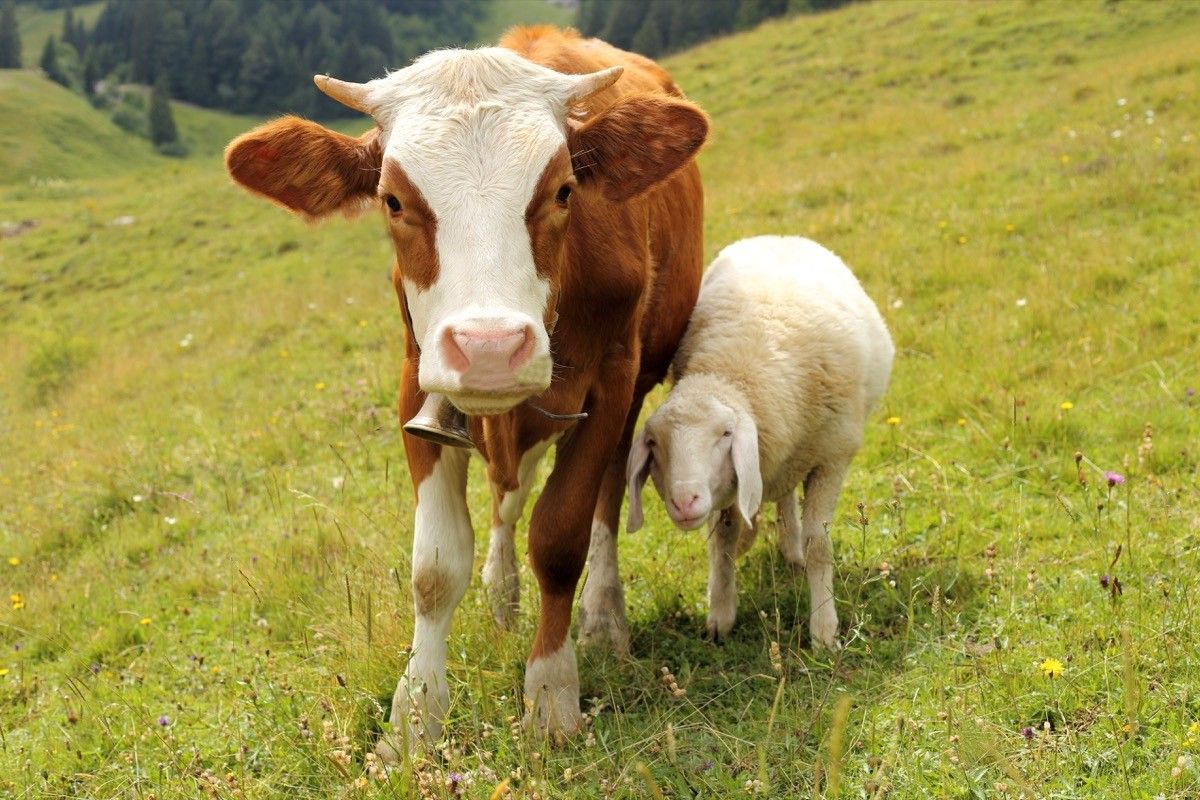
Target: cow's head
476,166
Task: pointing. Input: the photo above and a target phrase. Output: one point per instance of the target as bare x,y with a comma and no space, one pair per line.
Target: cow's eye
392,203
563,195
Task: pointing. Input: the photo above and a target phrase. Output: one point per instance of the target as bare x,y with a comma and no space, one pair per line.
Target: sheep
784,358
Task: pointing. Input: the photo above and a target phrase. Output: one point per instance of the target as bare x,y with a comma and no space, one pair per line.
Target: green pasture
205,515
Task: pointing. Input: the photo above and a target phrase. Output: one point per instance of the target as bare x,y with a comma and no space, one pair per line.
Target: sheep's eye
392,203
563,195
727,434
650,443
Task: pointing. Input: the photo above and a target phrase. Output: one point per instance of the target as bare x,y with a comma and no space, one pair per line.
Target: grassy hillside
500,15
48,132
206,516
36,25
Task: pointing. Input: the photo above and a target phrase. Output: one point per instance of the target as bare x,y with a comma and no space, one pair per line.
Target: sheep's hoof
719,626
823,629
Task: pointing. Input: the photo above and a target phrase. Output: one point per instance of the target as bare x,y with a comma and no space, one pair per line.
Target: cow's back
675,207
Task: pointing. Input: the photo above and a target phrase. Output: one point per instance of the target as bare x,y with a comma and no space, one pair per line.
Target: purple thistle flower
1027,732
1114,478
1190,392
95,668
1104,580
164,720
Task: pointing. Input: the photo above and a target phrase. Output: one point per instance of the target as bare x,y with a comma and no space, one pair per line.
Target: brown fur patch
544,219
305,167
430,588
413,230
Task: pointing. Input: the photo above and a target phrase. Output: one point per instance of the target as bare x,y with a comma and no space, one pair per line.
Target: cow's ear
306,168
636,142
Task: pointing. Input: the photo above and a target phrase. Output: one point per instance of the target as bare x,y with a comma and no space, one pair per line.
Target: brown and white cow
546,214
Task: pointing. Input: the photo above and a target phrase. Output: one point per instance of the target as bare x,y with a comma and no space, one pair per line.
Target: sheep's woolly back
787,324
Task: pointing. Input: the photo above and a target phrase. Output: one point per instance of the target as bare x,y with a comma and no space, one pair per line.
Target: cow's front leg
558,544
500,576
441,569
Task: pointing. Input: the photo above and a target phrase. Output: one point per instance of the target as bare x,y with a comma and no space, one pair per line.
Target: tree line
657,27
258,56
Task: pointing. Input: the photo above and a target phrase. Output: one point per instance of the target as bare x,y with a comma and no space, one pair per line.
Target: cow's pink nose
686,503
487,352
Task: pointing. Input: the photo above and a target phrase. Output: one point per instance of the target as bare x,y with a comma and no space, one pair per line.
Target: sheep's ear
637,469
744,449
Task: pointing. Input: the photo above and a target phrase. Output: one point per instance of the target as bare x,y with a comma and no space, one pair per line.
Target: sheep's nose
685,503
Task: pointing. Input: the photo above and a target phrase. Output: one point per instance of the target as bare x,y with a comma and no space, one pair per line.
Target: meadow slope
205,515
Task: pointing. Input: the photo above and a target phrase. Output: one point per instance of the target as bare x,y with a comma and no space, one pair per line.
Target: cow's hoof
552,694
602,621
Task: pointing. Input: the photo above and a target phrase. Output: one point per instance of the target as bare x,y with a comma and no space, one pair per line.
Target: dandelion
1051,668
319,385
942,224
1065,159
3,671
145,620
13,561
1010,227
1114,478
17,601
362,323
893,421
1066,405
962,422
962,238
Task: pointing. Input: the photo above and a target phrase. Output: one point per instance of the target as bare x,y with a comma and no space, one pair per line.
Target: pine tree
68,29
648,41
162,120
10,37
91,72
49,62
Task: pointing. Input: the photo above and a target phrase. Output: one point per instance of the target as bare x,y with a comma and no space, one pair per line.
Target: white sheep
784,358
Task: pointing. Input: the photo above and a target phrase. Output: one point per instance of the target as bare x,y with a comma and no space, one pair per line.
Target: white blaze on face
473,131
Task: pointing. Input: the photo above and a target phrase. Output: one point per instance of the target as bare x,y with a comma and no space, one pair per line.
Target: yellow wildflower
13,561
962,239
962,422
319,385
145,620
942,224
1051,668
17,601
1066,405
1065,159
3,671
893,421
1010,227
362,323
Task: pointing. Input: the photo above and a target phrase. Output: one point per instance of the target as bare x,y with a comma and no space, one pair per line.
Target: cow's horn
351,95
587,85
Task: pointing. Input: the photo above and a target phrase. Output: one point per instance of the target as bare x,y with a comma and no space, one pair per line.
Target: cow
546,213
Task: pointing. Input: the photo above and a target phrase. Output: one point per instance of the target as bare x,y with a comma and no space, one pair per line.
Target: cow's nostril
524,349
455,356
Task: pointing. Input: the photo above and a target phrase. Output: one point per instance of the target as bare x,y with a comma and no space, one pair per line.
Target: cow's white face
474,169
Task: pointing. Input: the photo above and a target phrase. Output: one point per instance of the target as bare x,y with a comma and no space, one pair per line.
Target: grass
36,25
206,515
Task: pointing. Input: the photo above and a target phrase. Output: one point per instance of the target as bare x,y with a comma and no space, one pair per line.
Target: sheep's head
702,455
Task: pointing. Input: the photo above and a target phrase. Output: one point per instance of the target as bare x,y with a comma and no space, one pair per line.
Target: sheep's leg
821,490
791,532
723,537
